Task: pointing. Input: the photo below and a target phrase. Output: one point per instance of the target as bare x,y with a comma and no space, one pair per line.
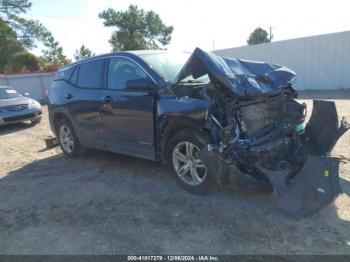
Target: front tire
182,158
67,139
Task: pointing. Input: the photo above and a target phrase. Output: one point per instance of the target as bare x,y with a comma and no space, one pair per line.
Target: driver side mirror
139,84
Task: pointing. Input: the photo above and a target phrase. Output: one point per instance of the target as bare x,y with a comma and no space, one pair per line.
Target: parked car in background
15,107
213,120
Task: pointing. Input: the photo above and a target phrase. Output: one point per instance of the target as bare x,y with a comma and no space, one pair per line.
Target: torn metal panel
278,179
237,76
323,131
216,166
316,186
227,175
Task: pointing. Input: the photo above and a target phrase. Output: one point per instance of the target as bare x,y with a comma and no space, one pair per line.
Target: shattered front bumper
315,186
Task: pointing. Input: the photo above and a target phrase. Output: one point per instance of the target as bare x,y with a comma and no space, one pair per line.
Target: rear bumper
16,117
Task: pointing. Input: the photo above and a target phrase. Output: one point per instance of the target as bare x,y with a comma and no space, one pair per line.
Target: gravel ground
104,203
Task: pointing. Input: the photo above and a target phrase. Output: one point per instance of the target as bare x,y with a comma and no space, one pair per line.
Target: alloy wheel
66,139
188,167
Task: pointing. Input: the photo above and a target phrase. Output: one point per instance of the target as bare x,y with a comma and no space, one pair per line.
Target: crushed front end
266,143
260,138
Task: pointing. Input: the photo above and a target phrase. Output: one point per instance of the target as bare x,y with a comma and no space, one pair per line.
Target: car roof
127,53
144,52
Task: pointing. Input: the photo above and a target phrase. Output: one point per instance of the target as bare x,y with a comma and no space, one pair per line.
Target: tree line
135,29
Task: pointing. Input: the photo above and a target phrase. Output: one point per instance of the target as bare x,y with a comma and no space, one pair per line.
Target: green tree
54,53
9,44
29,32
82,53
22,62
258,36
136,29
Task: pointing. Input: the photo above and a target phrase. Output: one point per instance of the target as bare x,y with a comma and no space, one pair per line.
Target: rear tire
67,139
188,171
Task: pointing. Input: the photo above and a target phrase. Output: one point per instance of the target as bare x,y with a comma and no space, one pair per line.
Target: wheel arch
57,116
169,126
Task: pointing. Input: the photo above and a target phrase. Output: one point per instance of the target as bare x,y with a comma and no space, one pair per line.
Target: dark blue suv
213,120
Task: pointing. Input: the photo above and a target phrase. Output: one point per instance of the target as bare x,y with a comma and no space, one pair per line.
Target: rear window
74,77
91,74
64,74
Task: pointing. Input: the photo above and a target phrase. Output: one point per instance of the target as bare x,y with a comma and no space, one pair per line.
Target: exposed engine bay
259,133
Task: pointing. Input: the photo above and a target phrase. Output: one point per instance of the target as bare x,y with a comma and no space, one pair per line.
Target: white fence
35,84
321,62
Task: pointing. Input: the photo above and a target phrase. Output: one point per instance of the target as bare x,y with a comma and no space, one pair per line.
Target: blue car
14,107
216,122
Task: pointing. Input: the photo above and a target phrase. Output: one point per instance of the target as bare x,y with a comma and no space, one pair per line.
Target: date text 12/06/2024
173,258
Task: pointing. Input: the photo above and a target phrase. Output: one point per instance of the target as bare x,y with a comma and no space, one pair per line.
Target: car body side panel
185,112
82,110
193,108
128,122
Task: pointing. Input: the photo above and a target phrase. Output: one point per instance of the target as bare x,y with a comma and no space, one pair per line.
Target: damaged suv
217,122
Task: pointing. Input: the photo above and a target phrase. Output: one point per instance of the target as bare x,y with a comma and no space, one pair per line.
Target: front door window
121,70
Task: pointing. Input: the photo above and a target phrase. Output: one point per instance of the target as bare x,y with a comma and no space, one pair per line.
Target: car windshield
168,65
7,93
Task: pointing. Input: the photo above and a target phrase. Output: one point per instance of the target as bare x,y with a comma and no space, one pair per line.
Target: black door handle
69,96
108,99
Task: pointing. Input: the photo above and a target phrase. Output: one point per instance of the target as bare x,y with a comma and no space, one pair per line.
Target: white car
15,107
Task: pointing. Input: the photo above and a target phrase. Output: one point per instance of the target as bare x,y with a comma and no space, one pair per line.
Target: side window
91,74
64,74
74,77
121,70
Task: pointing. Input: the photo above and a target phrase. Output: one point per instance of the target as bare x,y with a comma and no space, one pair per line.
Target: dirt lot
107,203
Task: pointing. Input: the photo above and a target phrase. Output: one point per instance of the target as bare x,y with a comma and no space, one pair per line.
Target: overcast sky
227,23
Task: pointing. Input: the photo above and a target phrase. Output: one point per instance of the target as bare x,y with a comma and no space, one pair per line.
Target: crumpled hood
14,101
242,77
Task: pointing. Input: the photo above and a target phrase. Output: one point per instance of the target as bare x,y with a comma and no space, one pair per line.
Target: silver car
14,107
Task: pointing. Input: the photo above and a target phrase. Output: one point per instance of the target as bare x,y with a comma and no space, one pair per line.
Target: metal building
35,84
321,62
